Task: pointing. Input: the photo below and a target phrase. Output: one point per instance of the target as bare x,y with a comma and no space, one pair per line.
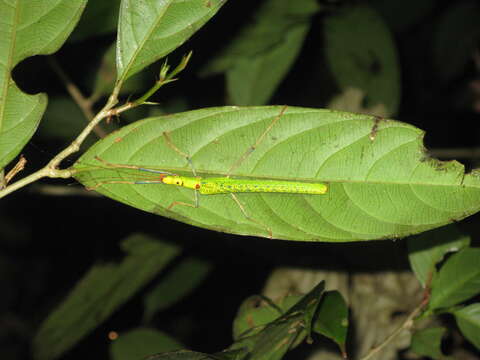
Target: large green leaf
28,28
150,29
381,184
99,293
360,53
258,59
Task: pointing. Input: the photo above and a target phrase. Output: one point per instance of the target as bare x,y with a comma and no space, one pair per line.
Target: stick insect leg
257,143
124,166
171,145
121,166
244,212
122,182
245,156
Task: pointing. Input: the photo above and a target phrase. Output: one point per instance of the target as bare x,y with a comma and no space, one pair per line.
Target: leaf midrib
210,173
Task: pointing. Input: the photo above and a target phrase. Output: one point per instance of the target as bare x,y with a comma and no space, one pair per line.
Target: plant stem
51,169
407,324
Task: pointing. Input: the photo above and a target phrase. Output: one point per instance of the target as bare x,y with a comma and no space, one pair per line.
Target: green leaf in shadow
258,59
285,332
99,293
427,342
425,251
177,283
468,320
257,311
361,54
99,18
138,343
332,318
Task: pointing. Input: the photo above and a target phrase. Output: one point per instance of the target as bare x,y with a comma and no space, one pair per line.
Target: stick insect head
185,181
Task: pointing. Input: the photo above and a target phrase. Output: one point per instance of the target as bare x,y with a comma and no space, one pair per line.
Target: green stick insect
226,184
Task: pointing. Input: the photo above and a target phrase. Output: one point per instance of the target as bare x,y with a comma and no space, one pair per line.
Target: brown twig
83,103
407,324
19,166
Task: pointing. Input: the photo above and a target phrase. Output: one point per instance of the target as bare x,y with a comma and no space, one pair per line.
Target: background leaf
141,342
428,249
101,291
194,355
457,280
468,320
258,59
402,15
106,75
456,38
381,188
28,28
100,17
149,29
255,313
360,53
427,342
332,318
284,333
177,283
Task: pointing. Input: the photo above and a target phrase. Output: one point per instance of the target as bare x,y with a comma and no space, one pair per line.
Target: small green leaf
458,279
255,312
427,342
141,342
360,53
193,355
381,184
176,284
257,60
150,29
28,28
287,331
428,249
332,318
99,293
468,320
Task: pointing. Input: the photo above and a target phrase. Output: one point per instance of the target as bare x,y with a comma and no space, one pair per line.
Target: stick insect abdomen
225,185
